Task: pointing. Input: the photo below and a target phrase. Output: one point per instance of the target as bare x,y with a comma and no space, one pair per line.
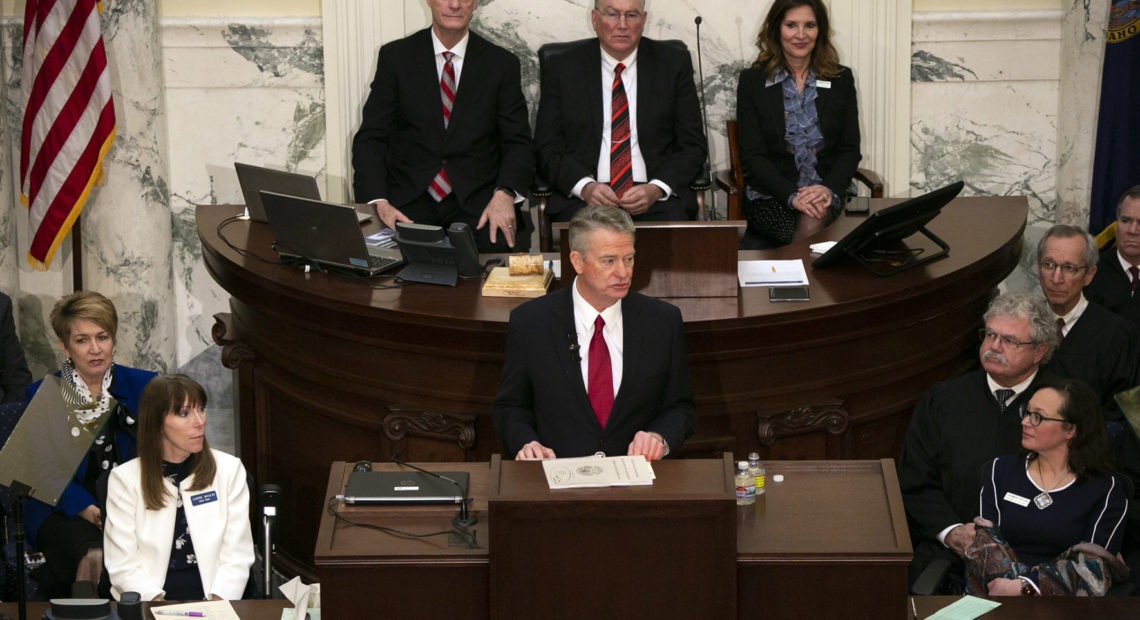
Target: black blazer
1111,287
542,395
14,374
768,165
402,144
568,130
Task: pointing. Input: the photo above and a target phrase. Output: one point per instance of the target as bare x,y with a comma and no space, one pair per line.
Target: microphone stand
704,114
269,495
21,491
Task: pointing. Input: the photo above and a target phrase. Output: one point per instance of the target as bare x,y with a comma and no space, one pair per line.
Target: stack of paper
591,471
771,273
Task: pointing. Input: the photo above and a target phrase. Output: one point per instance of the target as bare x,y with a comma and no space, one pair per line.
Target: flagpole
77,255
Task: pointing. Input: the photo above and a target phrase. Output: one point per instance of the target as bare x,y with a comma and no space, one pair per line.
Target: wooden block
500,283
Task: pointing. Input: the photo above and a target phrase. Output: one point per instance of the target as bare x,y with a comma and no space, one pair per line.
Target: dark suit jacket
768,166
568,130
402,144
14,374
1111,287
542,396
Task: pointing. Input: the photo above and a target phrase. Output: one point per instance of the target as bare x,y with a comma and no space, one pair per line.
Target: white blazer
137,541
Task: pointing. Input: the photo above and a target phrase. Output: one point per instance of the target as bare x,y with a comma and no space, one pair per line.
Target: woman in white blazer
177,524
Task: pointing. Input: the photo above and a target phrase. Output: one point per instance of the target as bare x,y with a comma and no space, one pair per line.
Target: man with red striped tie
1116,285
444,135
618,121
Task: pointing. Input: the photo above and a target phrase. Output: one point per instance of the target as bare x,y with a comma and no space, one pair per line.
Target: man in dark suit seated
1117,280
14,374
963,423
594,368
1096,345
618,121
445,135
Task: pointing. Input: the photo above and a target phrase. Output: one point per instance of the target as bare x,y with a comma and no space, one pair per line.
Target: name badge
823,84
204,498
1014,498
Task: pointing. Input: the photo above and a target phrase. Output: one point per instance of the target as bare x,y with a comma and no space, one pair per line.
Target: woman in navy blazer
798,158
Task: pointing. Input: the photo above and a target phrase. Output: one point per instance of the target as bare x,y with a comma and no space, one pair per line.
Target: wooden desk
1041,607
830,541
835,529
331,367
246,610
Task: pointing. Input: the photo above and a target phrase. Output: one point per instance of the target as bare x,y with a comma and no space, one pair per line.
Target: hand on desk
1004,587
534,451
389,214
812,201
650,445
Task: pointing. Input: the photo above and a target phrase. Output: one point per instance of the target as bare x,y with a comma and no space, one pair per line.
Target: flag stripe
69,117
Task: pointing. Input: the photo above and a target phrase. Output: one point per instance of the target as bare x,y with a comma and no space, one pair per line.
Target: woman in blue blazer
103,397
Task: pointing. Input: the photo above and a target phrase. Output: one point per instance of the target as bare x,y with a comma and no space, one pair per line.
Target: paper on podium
214,610
592,471
304,597
771,273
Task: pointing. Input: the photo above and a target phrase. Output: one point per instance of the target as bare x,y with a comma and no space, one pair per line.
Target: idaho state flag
69,118
1116,165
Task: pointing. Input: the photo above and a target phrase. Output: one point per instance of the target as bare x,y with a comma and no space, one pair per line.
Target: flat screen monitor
874,242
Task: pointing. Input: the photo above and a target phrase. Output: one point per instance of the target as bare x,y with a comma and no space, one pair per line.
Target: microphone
463,519
704,113
572,340
270,495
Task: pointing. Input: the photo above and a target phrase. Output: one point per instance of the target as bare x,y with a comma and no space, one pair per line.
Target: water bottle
758,471
745,485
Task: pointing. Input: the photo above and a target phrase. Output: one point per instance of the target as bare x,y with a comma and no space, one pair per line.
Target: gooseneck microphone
704,108
270,496
463,519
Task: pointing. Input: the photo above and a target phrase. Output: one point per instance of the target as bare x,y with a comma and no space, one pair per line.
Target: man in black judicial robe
1116,284
960,424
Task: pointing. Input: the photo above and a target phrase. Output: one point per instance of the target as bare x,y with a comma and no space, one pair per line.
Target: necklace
1043,499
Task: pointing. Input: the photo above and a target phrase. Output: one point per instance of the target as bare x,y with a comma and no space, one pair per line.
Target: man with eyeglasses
1096,345
962,423
1116,285
618,121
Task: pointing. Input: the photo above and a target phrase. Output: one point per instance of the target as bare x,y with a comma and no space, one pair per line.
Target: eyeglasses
1067,269
615,17
988,335
1035,417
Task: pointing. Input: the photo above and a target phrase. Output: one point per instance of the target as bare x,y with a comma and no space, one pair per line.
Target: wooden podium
661,551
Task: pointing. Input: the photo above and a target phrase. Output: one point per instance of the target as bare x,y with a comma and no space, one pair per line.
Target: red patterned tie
621,166
1135,277
601,376
440,187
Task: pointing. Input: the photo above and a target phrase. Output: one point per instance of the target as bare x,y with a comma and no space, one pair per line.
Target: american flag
69,118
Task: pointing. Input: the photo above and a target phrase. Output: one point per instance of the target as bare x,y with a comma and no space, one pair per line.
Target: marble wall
988,106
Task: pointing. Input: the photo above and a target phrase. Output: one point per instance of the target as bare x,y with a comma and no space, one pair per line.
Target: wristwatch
1027,588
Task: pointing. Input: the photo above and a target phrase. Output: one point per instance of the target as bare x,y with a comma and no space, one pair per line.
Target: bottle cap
742,465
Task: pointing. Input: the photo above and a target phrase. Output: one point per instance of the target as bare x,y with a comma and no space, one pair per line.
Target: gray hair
596,217
1034,309
597,2
1065,231
1132,192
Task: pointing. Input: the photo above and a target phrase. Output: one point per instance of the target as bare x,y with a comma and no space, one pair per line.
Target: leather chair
542,189
732,180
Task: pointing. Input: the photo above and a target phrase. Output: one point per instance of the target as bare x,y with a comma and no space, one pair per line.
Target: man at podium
594,368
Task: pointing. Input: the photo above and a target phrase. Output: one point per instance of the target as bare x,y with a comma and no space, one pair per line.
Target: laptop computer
254,179
324,233
404,487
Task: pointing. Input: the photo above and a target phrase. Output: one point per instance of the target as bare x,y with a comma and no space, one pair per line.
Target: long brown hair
824,57
164,395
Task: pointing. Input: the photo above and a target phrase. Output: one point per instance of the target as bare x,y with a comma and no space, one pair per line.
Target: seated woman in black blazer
797,125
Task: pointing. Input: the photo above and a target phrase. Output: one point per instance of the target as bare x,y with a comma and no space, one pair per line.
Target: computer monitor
875,241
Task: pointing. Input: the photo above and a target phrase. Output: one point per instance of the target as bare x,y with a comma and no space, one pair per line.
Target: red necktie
1060,330
440,187
601,376
621,166
1135,277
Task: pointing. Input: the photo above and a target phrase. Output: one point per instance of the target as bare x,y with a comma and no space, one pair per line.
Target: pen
773,282
913,609
192,614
